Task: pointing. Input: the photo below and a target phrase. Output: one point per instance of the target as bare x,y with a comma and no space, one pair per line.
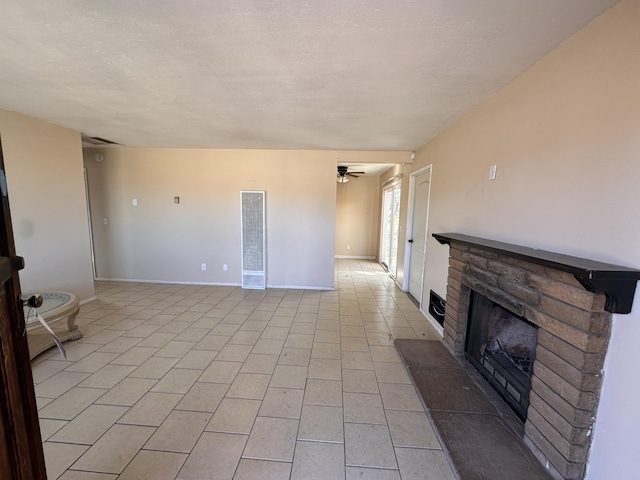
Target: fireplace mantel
616,282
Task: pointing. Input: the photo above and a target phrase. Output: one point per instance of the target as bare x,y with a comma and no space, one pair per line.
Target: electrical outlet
203,266
105,220
134,202
348,247
225,267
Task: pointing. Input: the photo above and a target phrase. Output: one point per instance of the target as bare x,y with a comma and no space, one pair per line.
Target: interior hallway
205,382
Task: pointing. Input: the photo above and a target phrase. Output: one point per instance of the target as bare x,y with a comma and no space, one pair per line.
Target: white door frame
409,230
86,194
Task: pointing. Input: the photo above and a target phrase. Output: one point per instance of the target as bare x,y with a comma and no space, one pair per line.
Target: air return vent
253,239
88,141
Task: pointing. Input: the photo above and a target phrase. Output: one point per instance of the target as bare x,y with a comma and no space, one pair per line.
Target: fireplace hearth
568,302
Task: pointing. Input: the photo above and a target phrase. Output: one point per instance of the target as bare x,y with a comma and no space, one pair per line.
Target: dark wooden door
21,456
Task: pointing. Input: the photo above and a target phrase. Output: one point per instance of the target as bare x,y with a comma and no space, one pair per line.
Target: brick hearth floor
194,382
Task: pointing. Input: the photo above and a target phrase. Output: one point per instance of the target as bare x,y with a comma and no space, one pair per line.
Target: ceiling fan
344,174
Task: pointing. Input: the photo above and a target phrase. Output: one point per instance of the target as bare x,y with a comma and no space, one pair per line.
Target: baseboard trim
298,287
168,282
213,284
357,257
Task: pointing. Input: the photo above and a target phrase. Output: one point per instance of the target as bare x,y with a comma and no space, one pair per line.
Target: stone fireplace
568,302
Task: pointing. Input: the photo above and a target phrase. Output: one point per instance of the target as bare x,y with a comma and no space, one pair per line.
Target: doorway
390,226
419,191
87,197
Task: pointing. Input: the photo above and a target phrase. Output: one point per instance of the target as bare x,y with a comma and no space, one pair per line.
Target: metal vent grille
253,240
96,141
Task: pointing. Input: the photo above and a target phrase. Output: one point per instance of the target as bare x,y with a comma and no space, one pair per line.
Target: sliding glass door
390,227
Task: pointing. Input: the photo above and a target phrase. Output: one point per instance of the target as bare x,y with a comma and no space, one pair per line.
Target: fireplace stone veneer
573,324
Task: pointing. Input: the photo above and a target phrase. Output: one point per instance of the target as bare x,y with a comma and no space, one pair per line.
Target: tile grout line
350,289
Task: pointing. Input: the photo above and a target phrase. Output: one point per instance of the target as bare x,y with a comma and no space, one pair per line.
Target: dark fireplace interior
502,346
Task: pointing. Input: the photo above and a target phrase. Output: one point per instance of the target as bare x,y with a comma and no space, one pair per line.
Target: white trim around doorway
409,227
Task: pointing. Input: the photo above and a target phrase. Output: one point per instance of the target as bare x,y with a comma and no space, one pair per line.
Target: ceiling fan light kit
344,174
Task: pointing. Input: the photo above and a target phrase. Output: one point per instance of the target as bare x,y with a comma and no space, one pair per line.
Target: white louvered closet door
253,240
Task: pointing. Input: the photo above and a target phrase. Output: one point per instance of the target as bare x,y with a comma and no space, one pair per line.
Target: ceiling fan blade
352,175
359,173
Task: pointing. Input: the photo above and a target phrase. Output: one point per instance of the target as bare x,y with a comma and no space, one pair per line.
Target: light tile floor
204,382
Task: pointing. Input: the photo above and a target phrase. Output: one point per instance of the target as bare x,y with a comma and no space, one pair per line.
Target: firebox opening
501,346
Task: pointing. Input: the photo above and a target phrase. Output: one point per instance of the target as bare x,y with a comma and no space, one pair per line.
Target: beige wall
358,217
566,142
48,208
160,241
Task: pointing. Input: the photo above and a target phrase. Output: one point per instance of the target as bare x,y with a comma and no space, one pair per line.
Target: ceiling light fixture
342,178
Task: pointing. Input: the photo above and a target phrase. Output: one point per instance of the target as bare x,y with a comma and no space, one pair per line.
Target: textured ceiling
332,74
